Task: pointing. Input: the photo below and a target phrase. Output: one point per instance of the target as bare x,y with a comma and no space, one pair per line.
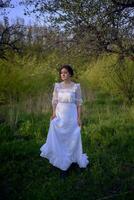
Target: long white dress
63,144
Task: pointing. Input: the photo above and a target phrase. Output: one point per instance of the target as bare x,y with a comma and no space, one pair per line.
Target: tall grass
113,75
26,86
107,137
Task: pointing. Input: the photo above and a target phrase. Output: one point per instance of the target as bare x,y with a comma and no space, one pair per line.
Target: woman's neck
67,81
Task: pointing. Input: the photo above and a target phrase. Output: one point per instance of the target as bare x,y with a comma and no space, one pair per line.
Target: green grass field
107,137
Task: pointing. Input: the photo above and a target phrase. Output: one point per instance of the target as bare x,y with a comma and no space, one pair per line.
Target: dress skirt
63,144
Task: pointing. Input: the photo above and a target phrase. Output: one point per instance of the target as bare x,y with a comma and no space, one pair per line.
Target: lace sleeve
55,95
79,100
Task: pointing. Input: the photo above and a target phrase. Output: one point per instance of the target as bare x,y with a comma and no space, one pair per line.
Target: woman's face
64,74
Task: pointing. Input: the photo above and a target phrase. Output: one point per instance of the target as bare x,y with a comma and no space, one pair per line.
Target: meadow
97,39
107,137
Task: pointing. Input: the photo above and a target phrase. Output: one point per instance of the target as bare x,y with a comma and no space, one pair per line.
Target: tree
99,26
10,35
10,38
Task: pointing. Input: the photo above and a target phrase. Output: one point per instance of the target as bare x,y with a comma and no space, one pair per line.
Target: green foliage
113,75
95,27
24,76
107,137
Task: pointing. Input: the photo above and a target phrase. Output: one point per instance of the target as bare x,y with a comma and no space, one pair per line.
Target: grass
107,137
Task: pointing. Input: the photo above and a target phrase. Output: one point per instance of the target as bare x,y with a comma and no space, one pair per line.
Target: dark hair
68,68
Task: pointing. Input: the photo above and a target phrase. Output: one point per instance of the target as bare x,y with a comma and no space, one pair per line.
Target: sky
18,12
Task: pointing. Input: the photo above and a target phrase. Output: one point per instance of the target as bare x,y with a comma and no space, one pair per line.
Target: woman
63,145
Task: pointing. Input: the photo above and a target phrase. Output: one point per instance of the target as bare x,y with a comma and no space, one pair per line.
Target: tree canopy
101,25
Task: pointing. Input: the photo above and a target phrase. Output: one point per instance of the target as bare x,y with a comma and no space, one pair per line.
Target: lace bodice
67,93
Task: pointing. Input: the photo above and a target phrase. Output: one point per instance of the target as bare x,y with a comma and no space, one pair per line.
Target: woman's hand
53,116
79,122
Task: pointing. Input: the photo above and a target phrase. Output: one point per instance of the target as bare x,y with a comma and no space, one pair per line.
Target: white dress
63,144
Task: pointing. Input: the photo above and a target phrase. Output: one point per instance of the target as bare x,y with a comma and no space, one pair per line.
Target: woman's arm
79,114
79,103
54,101
53,113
